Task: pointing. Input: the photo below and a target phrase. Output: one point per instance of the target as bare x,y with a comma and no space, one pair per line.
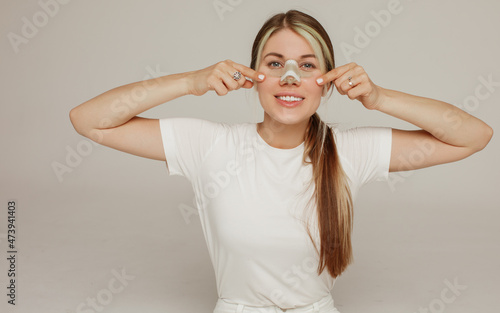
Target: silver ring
237,75
350,82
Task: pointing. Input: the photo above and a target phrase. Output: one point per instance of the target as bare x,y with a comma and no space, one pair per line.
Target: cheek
263,94
312,87
267,87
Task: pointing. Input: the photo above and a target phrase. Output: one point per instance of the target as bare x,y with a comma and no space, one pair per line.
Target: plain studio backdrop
102,231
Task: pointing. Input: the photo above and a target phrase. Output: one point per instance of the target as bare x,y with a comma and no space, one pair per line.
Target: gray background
113,211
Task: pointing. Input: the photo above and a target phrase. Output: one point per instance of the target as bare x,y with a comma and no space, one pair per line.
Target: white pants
324,305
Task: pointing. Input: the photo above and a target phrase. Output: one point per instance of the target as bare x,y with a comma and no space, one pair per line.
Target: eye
309,66
274,64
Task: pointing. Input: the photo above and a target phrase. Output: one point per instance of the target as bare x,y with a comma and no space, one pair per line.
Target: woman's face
280,47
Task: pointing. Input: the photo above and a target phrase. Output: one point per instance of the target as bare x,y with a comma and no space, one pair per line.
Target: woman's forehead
287,43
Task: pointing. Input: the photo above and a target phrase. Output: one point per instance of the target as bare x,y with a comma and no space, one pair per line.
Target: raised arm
448,133
111,118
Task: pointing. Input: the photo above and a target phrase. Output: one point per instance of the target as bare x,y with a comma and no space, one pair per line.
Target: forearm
118,105
443,120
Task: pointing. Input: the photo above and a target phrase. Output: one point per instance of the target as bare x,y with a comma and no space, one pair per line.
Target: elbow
488,136
484,138
75,119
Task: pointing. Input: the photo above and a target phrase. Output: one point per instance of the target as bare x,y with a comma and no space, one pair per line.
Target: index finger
335,73
250,73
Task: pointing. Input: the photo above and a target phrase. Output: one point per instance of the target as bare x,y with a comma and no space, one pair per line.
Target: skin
447,133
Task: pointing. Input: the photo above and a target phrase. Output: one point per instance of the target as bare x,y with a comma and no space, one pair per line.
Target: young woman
275,198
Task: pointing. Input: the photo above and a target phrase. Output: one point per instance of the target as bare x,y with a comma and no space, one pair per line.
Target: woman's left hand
351,80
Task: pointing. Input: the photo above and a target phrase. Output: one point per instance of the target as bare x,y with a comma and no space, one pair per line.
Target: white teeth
290,98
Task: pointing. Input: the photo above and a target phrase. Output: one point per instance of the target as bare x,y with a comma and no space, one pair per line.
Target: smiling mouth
290,98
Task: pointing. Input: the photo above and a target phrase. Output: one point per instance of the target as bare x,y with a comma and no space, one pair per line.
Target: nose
289,80
292,74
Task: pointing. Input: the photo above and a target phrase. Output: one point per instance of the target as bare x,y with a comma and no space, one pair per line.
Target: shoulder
361,137
198,129
365,151
194,123
364,144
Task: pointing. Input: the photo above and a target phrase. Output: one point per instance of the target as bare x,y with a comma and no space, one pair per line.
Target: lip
287,93
288,104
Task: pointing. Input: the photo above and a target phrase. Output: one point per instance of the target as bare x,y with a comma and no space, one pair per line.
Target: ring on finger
350,82
237,75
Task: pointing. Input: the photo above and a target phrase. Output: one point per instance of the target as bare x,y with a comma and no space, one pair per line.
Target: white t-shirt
252,203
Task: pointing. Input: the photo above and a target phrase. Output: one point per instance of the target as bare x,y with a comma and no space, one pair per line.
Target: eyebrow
281,56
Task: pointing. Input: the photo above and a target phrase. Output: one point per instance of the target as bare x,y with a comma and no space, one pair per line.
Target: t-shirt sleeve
186,142
367,150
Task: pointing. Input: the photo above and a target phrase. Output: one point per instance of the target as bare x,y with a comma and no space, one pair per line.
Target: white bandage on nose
292,72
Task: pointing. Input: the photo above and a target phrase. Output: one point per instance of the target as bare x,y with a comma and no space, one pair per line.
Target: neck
282,136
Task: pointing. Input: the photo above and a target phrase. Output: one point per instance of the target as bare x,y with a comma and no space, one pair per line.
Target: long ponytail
332,196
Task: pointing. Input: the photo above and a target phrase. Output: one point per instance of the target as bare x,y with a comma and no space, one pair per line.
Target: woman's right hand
219,77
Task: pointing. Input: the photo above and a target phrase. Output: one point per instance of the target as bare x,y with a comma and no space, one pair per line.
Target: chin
290,118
